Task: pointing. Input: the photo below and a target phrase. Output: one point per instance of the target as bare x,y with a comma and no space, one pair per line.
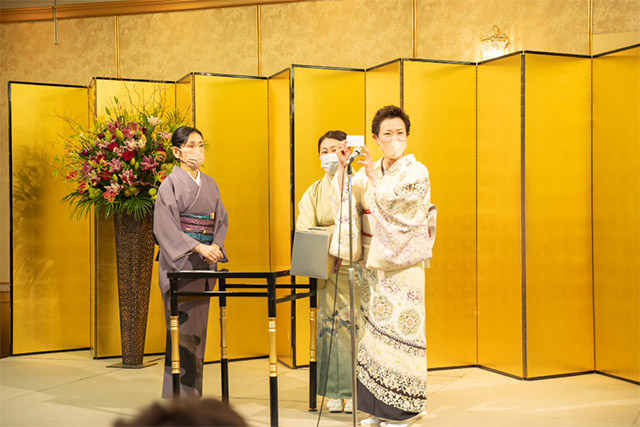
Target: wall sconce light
494,44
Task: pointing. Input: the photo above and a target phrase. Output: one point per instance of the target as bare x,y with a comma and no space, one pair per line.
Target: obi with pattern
200,227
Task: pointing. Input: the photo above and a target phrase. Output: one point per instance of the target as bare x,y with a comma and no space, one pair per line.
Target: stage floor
71,389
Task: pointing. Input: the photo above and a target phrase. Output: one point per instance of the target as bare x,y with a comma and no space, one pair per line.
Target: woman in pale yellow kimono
393,236
334,327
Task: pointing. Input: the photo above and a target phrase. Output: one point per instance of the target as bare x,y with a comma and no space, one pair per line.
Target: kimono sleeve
405,220
222,223
166,225
307,210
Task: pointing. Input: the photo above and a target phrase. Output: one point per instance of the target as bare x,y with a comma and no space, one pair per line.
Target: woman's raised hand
367,162
343,153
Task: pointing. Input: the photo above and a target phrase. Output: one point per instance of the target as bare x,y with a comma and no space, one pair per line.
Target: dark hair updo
389,112
338,135
181,135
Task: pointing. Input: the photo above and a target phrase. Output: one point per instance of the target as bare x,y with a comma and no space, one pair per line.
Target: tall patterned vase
134,256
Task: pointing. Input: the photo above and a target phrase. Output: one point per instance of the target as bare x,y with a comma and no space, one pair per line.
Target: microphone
357,152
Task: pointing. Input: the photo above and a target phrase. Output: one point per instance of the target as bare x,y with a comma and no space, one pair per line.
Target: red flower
82,186
110,195
162,175
99,157
161,156
112,146
106,176
72,175
128,156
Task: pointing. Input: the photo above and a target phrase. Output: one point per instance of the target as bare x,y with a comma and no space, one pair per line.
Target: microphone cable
335,303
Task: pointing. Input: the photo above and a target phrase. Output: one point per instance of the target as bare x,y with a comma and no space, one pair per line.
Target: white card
355,140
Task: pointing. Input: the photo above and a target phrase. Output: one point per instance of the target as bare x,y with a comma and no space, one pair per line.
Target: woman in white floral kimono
393,236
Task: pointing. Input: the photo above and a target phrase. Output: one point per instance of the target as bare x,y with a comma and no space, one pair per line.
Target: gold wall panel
28,54
280,210
452,29
559,288
440,100
324,99
382,88
616,200
346,33
166,46
232,114
499,258
616,16
106,315
50,287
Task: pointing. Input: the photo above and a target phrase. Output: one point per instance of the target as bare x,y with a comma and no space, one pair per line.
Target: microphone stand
354,391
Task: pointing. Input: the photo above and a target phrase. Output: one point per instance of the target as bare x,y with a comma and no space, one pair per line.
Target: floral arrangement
118,164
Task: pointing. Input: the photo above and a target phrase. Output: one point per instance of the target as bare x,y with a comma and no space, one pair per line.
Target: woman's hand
210,253
367,162
343,153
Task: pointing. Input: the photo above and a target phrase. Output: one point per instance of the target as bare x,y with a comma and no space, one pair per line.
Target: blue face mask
330,163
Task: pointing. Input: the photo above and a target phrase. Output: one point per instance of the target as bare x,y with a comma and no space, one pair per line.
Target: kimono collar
197,179
406,160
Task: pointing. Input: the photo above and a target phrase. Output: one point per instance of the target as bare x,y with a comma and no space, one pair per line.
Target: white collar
197,178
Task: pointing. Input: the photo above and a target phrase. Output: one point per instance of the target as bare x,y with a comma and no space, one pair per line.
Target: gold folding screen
231,112
280,205
534,255
557,173
616,202
106,317
324,99
383,87
534,217
50,248
499,255
440,100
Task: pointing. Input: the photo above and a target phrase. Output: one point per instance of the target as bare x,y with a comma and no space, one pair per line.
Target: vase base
140,366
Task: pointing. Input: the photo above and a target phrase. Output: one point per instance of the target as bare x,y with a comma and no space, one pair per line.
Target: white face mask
394,149
194,158
330,163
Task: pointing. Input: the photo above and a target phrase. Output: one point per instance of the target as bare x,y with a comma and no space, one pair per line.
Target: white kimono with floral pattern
393,235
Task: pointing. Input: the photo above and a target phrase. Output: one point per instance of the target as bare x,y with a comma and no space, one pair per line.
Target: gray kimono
180,194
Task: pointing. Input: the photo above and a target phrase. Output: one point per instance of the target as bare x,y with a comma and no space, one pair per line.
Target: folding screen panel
557,173
324,99
499,255
440,100
232,113
184,97
383,87
280,205
534,215
616,201
50,248
106,317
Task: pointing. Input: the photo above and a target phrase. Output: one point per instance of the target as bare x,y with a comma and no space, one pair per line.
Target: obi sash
200,227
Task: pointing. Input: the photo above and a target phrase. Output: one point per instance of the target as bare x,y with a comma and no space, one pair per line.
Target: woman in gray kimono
190,224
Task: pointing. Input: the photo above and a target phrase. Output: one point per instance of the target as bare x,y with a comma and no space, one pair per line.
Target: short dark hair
333,134
389,112
181,135
189,412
